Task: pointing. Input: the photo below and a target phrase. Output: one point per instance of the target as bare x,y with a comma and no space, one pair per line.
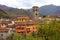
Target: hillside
3,14
49,9
44,10
14,11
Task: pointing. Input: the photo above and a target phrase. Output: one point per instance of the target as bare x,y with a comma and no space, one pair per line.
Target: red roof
23,23
3,30
54,16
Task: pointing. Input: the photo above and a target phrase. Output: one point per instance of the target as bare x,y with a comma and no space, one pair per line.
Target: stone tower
35,13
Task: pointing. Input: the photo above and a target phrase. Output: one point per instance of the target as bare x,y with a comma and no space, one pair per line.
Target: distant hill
14,11
49,9
44,10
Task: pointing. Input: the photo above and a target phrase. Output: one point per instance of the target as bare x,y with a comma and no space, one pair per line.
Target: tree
19,36
48,30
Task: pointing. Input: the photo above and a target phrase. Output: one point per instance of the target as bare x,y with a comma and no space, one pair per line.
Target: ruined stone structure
35,13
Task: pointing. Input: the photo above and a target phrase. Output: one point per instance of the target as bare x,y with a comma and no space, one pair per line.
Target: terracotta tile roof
3,30
25,23
5,22
53,16
21,17
10,26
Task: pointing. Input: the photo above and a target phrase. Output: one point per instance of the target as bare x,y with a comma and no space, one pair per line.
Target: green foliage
49,30
18,37
3,14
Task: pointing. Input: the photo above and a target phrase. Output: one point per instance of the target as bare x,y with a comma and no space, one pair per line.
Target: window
1,34
19,32
36,10
36,14
28,24
22,19
22,32
22,27
28,30
18,28
33,27
31,24
33,31
22,24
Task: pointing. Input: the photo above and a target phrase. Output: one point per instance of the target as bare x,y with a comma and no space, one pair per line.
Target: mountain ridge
50,9
44,10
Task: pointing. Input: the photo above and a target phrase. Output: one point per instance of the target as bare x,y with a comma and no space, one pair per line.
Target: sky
26,4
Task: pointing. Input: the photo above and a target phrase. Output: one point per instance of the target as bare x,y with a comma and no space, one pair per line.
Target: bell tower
35,13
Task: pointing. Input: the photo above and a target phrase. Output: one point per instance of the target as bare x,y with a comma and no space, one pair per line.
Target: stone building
35,13
6,29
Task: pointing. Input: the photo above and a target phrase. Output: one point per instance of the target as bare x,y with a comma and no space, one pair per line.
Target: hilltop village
23,24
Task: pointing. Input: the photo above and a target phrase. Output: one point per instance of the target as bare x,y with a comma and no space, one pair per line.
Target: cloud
9,2
55,2
28,3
